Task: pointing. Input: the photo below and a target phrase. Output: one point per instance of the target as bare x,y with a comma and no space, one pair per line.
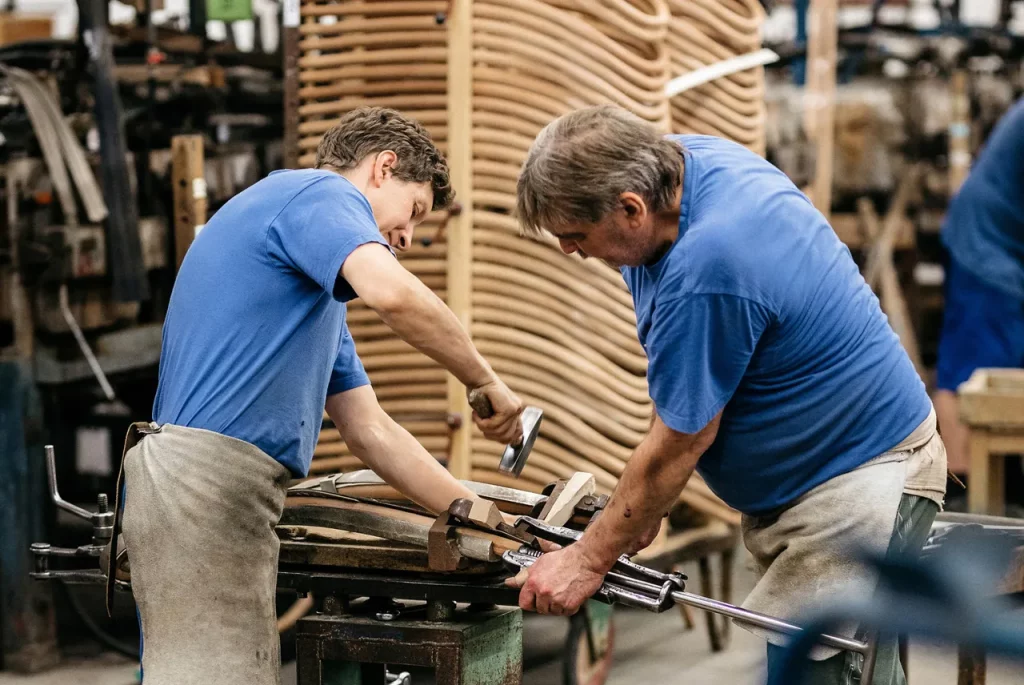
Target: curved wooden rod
711,91
496,297
544,63
584,303
683,63
509,226
543,16
556,258
390,362
729,18
570,365
419,55
648,27
689,109
363,25
586,306
385,73
373,88
504,154
555,343
724,31
500,136
427,117
426,7
696,125
687,38
582,286
435,374
507,105
594,406
486,118
400,102
583,39
394,39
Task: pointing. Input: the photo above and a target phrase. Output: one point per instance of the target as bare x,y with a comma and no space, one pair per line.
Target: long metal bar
763,621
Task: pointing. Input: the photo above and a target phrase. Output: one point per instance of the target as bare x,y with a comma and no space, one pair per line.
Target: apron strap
136,432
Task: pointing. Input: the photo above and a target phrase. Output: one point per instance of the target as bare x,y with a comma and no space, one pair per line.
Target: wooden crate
993,398
15,28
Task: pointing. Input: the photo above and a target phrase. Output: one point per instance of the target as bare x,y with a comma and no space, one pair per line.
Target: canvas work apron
198,525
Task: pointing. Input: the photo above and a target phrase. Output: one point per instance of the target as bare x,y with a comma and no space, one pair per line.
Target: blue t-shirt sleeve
348,372
320,228
698,349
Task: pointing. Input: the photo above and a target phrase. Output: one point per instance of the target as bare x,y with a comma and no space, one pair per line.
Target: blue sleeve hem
330,280
349,381
692,424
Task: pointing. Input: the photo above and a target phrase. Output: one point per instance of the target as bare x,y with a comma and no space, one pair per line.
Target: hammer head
514,458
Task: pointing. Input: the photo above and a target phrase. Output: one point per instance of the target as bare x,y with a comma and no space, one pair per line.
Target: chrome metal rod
94,363
762,621
51,472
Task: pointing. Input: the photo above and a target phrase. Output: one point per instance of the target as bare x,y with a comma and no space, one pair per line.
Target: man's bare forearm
397,457
650,484
423,320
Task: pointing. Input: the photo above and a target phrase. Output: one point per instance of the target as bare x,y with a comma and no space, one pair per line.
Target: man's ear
635,209
383,166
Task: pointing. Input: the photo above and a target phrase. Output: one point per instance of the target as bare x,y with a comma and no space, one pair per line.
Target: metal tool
631,584
513,459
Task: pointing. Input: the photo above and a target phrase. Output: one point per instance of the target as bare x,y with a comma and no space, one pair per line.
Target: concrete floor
649,649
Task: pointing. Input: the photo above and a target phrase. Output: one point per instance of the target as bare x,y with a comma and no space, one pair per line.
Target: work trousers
913,522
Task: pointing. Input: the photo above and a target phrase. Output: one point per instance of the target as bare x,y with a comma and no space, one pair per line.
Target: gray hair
581,163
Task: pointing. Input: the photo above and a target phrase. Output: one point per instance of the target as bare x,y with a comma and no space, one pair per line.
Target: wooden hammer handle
481,404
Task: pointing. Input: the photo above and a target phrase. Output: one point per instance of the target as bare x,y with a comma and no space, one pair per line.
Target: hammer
514,457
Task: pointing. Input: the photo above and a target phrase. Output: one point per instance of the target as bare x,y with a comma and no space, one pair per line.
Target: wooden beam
460,228
820,102
189,191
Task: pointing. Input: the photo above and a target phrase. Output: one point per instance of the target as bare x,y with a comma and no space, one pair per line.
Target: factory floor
649,649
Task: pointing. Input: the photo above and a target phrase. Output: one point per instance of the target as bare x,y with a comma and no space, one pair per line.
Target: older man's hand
558,583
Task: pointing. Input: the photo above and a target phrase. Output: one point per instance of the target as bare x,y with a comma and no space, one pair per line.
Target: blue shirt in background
255,336
758,308
984,225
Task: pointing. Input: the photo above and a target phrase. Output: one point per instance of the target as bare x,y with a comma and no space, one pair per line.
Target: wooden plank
189,191
821,96
971,668
460,228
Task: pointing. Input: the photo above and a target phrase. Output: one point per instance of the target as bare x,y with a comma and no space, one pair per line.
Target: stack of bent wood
559,330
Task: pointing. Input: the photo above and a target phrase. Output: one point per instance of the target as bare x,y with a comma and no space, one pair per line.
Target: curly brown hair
368,130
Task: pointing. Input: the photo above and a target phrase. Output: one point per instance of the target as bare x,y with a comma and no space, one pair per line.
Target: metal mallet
513,459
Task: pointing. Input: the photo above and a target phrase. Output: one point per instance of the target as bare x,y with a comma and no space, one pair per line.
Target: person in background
983,232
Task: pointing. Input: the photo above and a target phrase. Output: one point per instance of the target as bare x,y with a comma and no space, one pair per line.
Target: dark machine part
129,281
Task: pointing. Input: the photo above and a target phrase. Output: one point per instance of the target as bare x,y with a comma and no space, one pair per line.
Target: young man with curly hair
255,347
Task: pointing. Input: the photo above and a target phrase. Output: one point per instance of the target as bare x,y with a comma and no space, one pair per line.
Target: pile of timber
560,330
702,33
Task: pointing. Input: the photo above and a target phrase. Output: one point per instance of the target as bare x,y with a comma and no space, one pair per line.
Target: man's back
252,330
984,226
759,308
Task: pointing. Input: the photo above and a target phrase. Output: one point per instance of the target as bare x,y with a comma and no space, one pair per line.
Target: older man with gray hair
772,369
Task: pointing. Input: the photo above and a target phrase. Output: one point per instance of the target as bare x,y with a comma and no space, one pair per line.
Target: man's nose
404,238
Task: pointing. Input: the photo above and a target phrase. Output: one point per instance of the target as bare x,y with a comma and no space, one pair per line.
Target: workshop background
123,127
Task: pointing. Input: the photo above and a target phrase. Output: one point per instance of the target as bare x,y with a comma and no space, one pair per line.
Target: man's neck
666,226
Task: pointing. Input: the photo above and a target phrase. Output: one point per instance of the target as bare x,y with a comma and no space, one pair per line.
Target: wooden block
847,226
189,191
15,28
993,398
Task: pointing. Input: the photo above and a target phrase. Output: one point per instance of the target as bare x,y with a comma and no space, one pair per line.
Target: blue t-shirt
984,225
758,308
255,336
